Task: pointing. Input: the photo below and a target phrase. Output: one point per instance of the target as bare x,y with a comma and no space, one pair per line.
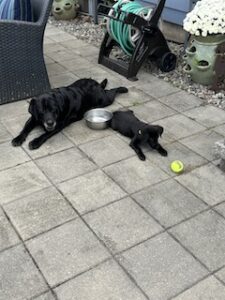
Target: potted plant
206,24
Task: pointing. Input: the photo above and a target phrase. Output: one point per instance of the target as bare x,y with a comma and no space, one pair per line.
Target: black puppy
126,123
62,106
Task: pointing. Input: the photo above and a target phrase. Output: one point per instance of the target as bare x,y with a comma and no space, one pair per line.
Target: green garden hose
124,34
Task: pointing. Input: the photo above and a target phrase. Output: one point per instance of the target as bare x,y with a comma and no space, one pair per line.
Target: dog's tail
103,84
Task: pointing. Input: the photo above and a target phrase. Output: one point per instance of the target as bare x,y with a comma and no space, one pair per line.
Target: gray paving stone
8,236
107,281
144,77
61,36
96,72
107,151
203,143
39,212
206,182
220,129
87,51
204,236
66,251
179,126
76,63
133,174
176,151
21,181
55,69
53,47
133,97
45,296
15,124
52,30
208,116
48,40
13,109
65,165
181,101
221,274
207,289
11,156
161,267
113,107
152,111
4,134
158,88
221,208
79,133
91,191
122,224
74,43
19,277
62,55
62,79
169,202
56,143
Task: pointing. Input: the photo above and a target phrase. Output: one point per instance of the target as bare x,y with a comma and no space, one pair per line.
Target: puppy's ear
159,130
32,107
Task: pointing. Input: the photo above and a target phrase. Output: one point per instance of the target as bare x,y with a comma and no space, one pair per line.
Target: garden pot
64,9
201,56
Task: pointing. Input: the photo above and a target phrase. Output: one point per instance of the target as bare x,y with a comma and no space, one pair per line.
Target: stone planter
64,9
200,58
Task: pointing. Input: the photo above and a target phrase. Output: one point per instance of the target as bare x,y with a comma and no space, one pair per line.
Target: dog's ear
155,130
33,107
159,130
104,83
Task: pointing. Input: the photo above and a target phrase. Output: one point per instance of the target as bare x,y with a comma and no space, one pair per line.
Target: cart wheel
167,62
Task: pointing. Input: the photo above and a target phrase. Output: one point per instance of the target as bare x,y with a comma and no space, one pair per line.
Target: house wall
174,10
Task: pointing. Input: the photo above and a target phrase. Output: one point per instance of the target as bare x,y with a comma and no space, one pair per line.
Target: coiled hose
125,34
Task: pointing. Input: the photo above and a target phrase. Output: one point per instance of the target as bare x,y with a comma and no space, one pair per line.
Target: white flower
207,17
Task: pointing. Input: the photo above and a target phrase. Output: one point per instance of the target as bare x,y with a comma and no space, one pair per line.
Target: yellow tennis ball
177,166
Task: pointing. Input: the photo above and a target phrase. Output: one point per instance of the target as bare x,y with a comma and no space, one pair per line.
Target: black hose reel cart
150,44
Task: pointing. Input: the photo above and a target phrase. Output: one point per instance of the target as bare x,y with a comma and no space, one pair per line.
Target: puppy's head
151,134
45,110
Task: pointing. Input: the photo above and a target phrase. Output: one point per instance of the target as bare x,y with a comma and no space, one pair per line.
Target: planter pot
200,58
64,9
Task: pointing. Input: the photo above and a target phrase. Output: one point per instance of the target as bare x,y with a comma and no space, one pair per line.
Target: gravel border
83,28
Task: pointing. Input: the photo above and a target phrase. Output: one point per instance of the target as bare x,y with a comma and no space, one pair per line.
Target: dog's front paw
163,152
35,144
18,141
142,157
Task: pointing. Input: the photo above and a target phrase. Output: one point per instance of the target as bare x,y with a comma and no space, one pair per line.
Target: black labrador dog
62,106
126,123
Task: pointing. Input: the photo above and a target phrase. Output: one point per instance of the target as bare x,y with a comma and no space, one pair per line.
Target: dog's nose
49,122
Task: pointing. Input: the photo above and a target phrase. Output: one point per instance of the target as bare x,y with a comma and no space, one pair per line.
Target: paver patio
82,218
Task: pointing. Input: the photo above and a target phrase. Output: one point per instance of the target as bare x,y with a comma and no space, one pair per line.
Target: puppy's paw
163,152
35,144
18,141
142,157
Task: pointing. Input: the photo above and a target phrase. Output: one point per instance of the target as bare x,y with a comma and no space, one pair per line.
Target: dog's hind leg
111,95
28,127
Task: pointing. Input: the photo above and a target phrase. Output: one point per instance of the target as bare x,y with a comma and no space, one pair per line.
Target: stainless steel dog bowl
98,118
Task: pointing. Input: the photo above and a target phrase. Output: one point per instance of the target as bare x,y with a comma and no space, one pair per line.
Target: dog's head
45,109
151,134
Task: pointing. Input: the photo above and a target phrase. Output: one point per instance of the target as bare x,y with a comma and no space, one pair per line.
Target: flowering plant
207,18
